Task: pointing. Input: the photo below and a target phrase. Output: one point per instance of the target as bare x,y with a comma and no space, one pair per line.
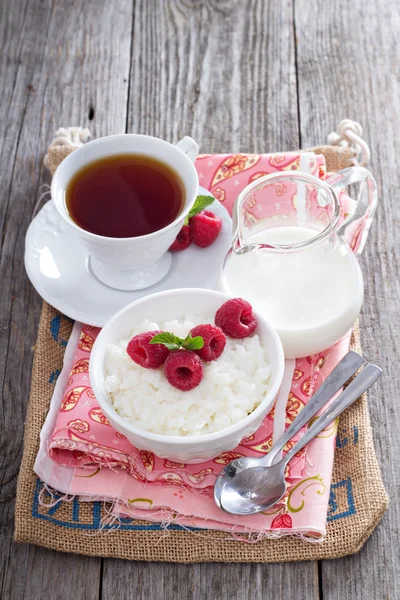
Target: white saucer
59,268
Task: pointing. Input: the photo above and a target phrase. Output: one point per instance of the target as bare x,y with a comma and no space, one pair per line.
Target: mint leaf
193,343
200,204
171,341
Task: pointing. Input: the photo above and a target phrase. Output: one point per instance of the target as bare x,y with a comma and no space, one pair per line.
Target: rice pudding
232,386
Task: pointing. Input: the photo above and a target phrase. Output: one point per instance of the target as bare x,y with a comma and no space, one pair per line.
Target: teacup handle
189,147
366,201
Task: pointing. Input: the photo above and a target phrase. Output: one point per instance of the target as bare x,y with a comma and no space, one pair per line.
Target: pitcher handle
354,230
189,147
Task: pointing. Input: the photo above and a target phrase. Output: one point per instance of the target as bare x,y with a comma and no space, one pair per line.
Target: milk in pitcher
311,296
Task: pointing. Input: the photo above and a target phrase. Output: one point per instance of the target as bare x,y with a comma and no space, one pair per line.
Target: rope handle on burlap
349,134
69,137
66,139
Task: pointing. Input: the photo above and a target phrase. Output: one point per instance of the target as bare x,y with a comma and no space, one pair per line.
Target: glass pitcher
296,239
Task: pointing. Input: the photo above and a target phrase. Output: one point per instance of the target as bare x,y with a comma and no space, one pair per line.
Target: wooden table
239,75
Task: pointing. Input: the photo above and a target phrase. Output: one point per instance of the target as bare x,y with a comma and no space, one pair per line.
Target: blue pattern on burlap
75,522
345,437
341,500
55,324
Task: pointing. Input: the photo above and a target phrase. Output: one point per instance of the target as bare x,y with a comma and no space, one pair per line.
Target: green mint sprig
200,204
173,342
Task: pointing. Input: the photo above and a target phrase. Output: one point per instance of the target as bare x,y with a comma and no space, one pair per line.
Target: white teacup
137,262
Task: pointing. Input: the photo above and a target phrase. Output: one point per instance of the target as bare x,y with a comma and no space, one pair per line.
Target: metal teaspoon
347,367
258,488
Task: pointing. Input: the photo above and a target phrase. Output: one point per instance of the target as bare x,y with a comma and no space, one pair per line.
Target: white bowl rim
188,440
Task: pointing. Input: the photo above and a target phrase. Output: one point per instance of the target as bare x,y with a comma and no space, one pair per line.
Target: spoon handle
349,364
362,382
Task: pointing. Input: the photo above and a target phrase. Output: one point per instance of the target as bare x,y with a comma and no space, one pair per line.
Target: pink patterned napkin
77,441
83,437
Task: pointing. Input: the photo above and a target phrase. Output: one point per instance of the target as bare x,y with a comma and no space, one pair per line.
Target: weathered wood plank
224,73
204,581
35,573
347,57
57,61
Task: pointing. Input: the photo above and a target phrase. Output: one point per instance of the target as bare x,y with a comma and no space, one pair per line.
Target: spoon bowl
255,490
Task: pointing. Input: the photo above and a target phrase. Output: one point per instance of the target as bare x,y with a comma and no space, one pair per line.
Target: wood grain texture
222,71
213,70
347,61
36,573
122,581
56,61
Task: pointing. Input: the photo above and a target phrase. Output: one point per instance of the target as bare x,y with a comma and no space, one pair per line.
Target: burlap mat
357,497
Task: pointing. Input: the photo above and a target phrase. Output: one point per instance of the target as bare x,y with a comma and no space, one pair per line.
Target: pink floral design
263,446
79,425
257,175
293,407
226,457
308,385
147,459
280,189
297,374
282,522
170,464
81,366
219,193
85,341
96,414
71,398
232,165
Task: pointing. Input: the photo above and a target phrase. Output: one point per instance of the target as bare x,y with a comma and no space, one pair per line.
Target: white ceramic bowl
169,305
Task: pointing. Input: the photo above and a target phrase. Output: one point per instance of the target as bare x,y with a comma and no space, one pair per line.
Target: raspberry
182,240
236,318
214,341
183,369
149,356
204,228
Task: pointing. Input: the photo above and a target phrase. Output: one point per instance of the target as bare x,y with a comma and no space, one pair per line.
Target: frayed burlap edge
354,462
